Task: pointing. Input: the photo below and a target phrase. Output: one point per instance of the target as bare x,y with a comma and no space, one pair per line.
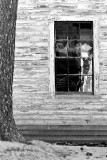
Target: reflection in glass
73,31
61,83
61,66
86,48
61,48
89,43
61,31
74,56
74,49
87,66
86,84
86,31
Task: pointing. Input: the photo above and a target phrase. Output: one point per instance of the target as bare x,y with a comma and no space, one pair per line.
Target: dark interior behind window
74,56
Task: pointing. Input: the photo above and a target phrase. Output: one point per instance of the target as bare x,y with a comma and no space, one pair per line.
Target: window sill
76,95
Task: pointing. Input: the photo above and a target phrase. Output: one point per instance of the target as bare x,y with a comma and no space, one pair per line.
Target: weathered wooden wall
32,102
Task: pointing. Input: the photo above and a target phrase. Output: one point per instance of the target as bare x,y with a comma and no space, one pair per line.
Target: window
73,53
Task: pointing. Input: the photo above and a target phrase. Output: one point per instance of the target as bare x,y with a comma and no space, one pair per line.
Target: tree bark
8,14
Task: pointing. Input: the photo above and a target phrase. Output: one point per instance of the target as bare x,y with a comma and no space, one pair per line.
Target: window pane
61,83
74,56
61,48
61,30
86,46
86,84
86,58
74,83
74,66
61,33
86,31
61,66
87,66
74,48
73,31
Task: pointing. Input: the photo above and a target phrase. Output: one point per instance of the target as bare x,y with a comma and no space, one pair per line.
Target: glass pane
74,83
61,48
61,83
74,66
86,84
87,66
86,31
74,56
61,66
73,31
86,49
86,58
61,30
74,48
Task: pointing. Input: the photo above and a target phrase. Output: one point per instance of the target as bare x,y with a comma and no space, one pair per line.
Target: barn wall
31,98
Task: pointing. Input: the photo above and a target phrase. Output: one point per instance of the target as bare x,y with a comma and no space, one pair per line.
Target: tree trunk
8,13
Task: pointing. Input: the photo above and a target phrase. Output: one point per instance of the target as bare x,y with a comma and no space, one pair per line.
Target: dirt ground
39,150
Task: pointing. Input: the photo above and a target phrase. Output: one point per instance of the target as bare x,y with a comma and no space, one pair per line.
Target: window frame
95,51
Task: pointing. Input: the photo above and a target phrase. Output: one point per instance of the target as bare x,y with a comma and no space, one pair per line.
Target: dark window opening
74,56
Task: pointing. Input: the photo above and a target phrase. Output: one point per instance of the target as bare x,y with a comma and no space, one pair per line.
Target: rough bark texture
8,12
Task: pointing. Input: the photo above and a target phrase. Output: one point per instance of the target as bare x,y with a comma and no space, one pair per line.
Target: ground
39,150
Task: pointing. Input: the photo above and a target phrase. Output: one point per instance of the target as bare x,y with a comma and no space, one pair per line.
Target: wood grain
33,83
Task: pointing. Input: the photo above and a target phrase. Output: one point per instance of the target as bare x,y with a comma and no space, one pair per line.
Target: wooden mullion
75,74
66,57
60,40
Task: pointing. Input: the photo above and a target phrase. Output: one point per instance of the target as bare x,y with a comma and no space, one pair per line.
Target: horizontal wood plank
52,112
73,121
67,133
64,133
31,72
76,139
62,127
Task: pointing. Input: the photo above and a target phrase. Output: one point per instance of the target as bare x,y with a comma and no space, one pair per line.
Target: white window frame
95,50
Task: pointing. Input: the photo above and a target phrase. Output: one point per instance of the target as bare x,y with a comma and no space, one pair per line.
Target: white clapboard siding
33,104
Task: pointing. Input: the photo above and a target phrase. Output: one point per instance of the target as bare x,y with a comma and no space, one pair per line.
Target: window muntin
74,56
